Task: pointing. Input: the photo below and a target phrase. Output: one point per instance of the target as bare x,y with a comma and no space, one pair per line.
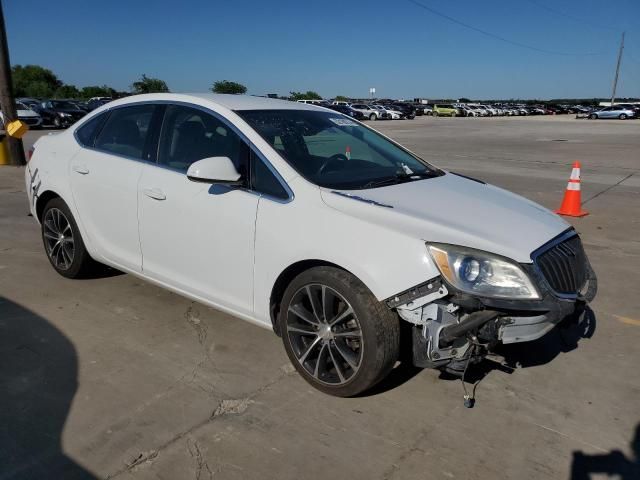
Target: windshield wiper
399,177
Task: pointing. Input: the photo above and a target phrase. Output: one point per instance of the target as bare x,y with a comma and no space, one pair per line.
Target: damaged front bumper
451,326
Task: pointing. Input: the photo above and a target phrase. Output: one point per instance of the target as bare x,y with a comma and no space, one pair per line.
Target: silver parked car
617,111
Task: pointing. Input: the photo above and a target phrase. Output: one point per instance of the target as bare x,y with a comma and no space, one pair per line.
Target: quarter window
189,134
125,131
264,181
86,134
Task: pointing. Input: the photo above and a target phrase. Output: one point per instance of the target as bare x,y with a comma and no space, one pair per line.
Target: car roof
231,102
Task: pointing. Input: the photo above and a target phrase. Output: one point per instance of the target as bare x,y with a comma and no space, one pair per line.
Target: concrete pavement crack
226,407
608,188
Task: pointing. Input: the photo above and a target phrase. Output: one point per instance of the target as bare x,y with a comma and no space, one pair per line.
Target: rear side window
86,134
125,131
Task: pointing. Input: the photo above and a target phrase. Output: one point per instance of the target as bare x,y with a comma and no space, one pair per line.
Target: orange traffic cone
571,202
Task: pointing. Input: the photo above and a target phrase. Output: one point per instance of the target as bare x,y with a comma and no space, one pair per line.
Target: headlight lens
63,114
482,273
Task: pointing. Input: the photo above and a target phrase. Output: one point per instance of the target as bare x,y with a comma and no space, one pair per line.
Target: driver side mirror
215,170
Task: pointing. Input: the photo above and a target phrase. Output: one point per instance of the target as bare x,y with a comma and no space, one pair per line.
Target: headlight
62,114
482,273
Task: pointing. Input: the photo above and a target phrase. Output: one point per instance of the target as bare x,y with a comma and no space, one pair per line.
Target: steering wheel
337,159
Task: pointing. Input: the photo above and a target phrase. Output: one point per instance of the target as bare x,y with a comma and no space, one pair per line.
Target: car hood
455,210
26,113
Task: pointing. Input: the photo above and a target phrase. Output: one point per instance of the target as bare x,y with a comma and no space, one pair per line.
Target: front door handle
81,169
154,193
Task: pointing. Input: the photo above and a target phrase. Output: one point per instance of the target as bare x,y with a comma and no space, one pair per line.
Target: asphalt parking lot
115,378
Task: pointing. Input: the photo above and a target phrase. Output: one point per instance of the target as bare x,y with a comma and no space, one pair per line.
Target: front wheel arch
285,278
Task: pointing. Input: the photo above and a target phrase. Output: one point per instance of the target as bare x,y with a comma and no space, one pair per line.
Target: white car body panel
105,192
198,237
227,249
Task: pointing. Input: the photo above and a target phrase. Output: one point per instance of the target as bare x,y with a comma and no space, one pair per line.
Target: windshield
333,151
64,105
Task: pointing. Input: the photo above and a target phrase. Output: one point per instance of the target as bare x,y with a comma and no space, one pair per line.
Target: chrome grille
564,266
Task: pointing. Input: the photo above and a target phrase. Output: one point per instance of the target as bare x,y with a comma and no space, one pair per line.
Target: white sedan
302,220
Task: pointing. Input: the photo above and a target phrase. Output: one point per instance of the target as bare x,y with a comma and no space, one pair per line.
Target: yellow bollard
4,151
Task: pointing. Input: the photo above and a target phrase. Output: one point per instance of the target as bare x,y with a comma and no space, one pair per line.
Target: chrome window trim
216,115
566,235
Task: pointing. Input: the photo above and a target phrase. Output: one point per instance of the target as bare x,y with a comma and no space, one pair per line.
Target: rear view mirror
217,170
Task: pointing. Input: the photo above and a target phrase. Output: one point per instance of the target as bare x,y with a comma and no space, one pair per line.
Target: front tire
62,241
372,117
593,116
338,336
622,116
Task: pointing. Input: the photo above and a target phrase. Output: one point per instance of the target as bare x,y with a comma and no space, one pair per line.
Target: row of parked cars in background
396,110
38,113
618,111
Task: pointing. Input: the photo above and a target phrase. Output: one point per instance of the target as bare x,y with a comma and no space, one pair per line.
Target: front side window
125,131
333,151
189,134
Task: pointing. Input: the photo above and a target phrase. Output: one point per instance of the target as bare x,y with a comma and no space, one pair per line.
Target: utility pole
615,79
7,103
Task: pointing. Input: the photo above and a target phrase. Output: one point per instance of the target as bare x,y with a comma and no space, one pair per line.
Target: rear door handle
81,169
154,193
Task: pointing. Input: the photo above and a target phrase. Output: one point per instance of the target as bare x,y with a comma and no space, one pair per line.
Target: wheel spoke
316,370
346,353
303,314
356,333
313,345
51,236
69,251
342,316
335,364
314,304
301,329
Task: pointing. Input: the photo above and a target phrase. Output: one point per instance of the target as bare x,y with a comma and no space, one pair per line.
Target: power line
571,17
497,37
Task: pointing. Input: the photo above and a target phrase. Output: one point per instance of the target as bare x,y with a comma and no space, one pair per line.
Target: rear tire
62,241
372,117
338,336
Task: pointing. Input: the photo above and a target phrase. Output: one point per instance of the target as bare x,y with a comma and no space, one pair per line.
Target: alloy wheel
58,238
325,334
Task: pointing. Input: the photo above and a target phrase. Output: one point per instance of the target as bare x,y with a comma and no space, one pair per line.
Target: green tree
97,91
149,85
464,100
34,81
341,98
66,91
308,95
227,86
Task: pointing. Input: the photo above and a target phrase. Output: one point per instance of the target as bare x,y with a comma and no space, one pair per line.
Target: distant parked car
368,111
632,106
27,115
444,110
347,110
60,113
407,109
617,111
341,102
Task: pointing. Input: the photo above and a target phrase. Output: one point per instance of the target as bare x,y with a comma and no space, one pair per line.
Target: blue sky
335,47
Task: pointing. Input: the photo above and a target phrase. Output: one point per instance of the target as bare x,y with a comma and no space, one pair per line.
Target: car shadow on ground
38,380
614,463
